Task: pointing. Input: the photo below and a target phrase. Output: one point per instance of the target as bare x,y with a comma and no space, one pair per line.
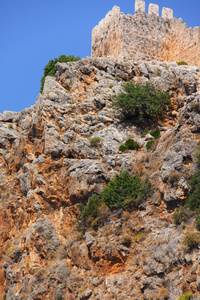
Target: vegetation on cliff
50,68
141,102
124,191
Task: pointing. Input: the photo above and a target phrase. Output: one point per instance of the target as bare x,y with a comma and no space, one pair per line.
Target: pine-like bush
141,102
125,190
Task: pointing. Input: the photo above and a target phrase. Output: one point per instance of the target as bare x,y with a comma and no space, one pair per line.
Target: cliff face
48,166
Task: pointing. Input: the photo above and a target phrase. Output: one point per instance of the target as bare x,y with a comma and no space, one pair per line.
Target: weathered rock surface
48,165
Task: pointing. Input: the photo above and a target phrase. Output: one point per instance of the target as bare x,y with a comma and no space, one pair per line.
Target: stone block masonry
145,36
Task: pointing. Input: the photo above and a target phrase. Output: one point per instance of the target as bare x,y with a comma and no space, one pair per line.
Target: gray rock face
9,116
49,164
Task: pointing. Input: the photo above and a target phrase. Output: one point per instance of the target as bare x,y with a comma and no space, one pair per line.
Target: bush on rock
141,102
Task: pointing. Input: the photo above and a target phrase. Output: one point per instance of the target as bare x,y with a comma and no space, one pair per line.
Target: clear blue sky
34,31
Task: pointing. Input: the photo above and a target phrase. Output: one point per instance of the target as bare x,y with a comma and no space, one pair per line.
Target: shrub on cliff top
141,102
50,69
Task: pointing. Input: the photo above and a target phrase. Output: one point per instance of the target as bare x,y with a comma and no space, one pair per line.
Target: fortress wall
183,42
107,35
146,36
143,37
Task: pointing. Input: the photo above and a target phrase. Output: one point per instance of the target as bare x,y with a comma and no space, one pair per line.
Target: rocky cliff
48,166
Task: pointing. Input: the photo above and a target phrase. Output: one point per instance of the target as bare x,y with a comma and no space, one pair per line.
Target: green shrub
110,86
174,178
182,63
141,102
10,125
192,241
131,144
187,296
117,78
193,200
94,141
155,134
198,222
181,214
90,211
149,144
197,156
50,69
146,130
122,148
125,190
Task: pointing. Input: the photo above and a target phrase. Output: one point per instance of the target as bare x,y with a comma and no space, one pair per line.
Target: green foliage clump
150,144
197,156
155,134
91,210
146,130
122,148
132,145
129,145
182,63
50,68
181,214
193,200
10,125
187,296
141,102
192,241
198,222
125,190
174,178
94,141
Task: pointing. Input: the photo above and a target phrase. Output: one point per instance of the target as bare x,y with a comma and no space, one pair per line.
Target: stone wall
146,36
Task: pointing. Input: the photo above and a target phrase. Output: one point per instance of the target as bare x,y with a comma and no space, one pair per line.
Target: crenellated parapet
153,9
104,23
146,36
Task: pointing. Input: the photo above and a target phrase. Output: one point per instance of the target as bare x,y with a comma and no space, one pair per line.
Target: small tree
50,68
90,211
141,102
125,190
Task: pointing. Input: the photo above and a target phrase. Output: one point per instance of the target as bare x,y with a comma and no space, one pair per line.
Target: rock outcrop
48,166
